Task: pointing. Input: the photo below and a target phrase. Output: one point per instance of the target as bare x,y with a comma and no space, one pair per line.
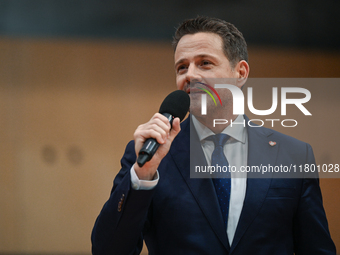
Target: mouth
194,89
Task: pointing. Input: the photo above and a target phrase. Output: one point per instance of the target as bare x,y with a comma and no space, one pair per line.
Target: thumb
175,128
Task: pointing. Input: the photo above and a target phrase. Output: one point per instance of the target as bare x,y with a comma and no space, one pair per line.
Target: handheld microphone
176,104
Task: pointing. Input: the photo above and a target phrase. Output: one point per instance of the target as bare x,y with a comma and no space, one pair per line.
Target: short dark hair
234,45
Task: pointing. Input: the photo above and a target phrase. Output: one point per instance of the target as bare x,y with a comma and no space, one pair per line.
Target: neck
216,123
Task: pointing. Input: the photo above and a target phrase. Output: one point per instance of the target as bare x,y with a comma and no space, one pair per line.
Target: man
176,214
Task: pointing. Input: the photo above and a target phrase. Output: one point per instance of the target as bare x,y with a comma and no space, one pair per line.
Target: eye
181,68
205,63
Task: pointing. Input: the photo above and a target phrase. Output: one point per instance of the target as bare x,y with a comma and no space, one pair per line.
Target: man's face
198,57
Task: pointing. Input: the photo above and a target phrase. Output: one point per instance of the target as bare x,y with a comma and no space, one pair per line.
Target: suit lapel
201,188
259,153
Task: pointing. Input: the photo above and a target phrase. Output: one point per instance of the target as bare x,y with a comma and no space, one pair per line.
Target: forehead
199,44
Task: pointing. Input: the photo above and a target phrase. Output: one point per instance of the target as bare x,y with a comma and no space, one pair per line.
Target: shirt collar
237,132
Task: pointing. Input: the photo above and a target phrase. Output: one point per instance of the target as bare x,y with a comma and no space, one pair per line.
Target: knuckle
153,126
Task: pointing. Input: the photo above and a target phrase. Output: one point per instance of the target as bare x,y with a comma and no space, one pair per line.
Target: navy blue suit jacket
181,215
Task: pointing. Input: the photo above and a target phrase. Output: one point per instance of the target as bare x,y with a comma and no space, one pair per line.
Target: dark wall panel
298,23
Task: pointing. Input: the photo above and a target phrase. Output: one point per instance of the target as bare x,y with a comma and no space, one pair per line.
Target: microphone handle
150,146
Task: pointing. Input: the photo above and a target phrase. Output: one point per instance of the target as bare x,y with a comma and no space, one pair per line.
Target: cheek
180,82
195,106
224,72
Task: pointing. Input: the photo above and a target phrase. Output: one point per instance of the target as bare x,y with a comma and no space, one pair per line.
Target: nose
193,74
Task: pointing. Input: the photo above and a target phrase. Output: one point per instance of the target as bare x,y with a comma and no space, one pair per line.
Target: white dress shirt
236,152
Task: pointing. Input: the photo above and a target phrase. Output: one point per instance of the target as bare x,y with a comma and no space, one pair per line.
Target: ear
242,69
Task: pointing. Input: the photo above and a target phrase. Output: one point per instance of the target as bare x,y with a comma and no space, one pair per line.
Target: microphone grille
177,103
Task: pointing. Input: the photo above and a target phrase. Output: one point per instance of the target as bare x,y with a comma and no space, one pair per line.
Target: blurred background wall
77,77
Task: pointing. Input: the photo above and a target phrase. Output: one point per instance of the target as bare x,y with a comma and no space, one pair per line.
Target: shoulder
129,156
255,130
287,146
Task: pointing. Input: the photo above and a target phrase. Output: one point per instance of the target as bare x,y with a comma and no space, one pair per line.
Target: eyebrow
179,62
198,56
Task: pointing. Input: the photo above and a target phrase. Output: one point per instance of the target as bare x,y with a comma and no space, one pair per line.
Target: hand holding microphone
153,139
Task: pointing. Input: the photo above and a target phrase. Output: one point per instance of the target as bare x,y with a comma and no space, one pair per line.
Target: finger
156,128
152,131
162,118
176,128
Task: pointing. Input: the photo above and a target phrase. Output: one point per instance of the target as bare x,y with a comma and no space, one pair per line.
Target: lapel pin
271,143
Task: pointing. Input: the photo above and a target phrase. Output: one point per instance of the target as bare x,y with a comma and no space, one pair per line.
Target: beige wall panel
282,62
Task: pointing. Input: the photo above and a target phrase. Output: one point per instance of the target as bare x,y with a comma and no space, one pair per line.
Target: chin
195,110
